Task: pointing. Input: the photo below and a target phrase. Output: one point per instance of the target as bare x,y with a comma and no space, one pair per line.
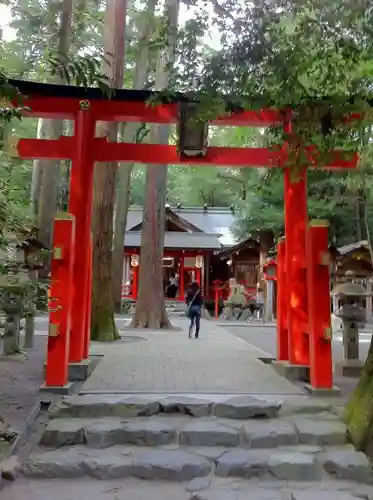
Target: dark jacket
198,300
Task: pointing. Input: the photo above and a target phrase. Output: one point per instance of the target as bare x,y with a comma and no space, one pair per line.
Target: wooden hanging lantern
199,261
192,132
135,260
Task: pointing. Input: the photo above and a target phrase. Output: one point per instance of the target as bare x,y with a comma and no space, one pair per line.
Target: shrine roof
215,221
178,240
352,247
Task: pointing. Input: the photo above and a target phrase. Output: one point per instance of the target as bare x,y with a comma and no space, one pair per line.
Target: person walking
194,302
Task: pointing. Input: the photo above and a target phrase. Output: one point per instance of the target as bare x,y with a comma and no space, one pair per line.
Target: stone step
319,430
185,464
235,407
206,488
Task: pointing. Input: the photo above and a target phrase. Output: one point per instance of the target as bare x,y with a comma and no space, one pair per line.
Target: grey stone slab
230,493
221,494
110,466
149,432
175,465
323,495
66,463
304,448
194,407
198,484
294,466
347,464
270,434
209,433
99,405
105,432
242,463
303,405
323,432
244,407
63,432
79,372
140,431
334,391
58,389
210,452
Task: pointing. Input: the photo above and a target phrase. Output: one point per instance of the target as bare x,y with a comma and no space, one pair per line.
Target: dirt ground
20,380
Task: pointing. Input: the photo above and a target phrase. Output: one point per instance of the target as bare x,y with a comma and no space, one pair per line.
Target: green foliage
82,71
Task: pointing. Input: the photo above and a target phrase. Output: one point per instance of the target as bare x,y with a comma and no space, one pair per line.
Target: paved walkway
167,361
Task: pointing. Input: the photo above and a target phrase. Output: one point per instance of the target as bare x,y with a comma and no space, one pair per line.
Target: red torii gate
72,238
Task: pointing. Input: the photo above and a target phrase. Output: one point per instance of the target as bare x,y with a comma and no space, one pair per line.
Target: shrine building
196,247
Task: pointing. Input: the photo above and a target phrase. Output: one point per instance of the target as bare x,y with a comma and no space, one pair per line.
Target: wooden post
198,276
281,299
217,295
56,373
29,330
135,281
87,329
181,278
295,191
80,205
321,369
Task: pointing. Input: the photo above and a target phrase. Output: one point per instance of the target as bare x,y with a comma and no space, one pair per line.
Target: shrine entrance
302,267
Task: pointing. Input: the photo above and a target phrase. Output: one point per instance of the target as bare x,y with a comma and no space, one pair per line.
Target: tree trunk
49,169
150,308
36,173
359,410
124,174
103,325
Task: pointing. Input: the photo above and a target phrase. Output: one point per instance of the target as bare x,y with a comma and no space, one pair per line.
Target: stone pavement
168,361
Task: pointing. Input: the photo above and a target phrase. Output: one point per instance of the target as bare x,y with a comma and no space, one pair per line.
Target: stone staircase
198,440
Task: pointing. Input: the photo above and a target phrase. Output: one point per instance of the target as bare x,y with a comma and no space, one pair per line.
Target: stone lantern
351,311
12,297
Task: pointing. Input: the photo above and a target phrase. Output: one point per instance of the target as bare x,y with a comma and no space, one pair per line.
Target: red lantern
270,270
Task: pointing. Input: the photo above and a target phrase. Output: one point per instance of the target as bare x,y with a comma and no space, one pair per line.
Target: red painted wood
135,282
56,372
80,205
55,149
87,329
321,365
111,110
281,316
198,276
63,148
160,153
295,193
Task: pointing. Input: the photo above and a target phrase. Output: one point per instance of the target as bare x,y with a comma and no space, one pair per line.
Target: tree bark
124,174
36,173
49,169
359,410
150,308
103,325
